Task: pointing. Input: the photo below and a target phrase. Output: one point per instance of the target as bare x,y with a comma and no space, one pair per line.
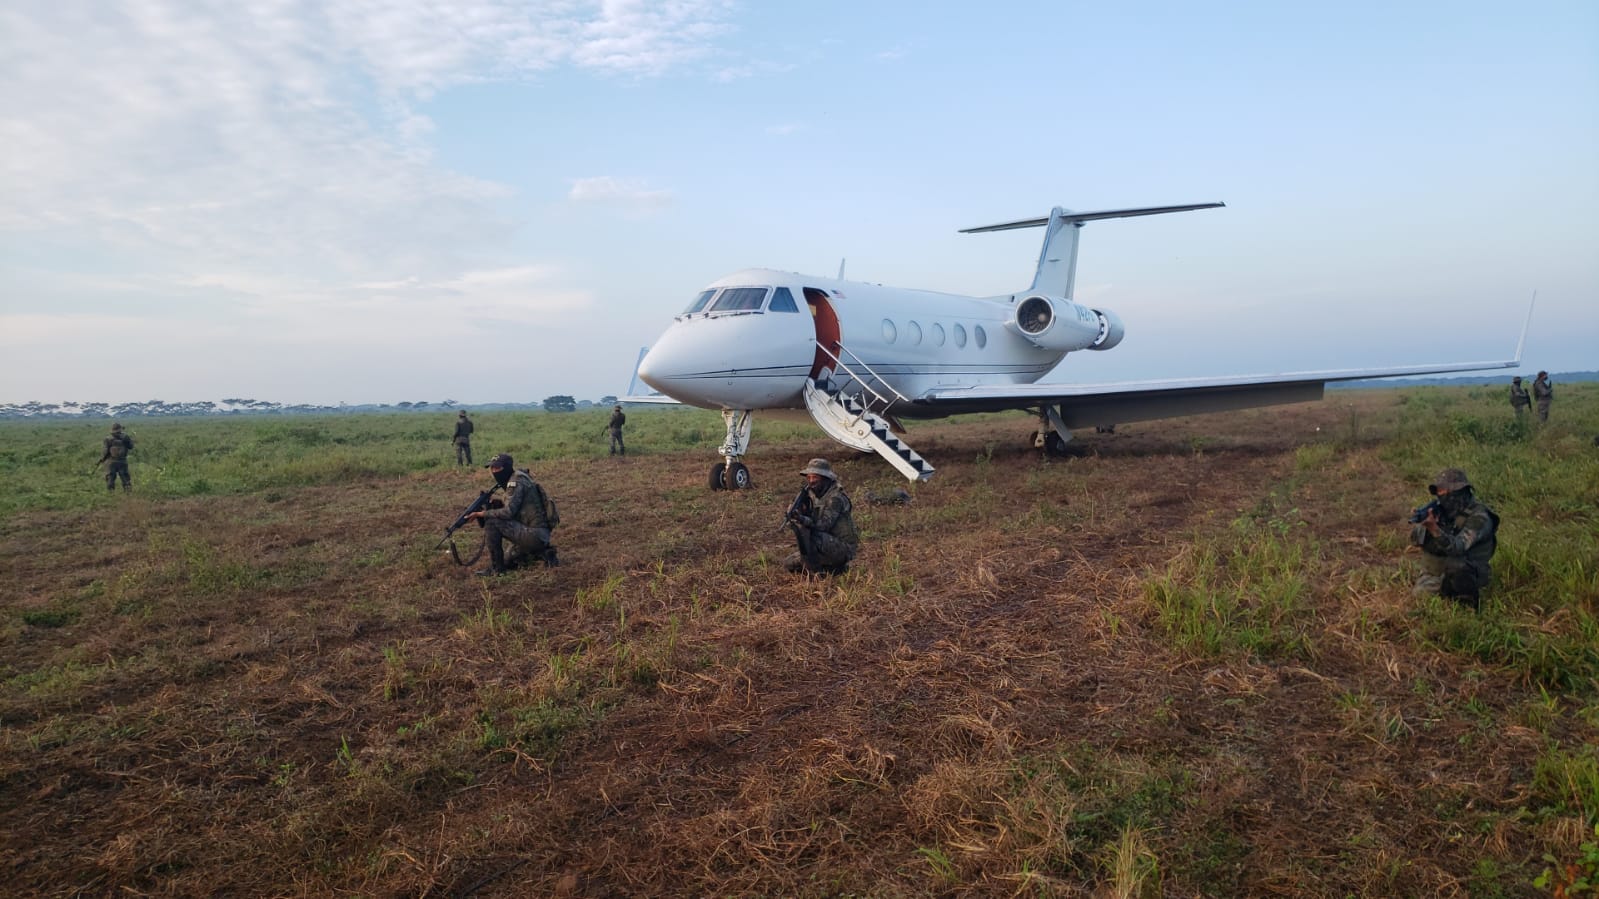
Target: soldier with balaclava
1457,534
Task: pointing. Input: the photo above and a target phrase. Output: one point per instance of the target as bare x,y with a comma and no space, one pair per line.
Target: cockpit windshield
699,302
740,299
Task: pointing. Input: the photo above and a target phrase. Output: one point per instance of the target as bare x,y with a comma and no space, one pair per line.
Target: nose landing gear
731,473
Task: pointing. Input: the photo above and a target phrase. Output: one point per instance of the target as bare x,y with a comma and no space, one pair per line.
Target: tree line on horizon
34,409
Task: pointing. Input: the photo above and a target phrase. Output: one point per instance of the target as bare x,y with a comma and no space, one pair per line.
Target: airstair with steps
852,412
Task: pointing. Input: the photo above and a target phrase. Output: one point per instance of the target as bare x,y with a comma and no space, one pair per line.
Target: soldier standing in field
463,439
822,523
1457,535
617,420
1519,400
1543,393
117,447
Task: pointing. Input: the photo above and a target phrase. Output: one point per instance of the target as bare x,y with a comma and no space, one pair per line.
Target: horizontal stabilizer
1091,216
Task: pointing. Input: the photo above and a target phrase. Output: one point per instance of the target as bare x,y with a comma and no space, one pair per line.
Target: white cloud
235,134
618,191
784,129
265,171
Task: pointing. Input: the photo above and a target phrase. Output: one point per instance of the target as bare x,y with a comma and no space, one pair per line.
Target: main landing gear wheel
1054,446
718,471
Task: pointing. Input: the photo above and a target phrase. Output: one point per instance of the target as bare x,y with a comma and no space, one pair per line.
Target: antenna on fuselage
841,268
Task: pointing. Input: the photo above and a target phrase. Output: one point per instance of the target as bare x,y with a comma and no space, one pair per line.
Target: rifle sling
456,555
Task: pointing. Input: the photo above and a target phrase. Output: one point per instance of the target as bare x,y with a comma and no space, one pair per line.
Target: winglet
632,385
1525,327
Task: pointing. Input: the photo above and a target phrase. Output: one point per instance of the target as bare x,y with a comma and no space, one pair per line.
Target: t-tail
1057,261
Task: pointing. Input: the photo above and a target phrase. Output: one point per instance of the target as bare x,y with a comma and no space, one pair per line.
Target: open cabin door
828,336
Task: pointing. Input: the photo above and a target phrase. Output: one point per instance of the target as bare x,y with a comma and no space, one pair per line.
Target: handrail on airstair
885,402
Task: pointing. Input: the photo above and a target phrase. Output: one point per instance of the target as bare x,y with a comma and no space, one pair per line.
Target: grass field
1184,662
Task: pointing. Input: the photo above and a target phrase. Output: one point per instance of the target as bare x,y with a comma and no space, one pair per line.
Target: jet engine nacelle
1054,323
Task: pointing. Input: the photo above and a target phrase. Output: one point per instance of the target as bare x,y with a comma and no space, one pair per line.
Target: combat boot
550,559
1428,585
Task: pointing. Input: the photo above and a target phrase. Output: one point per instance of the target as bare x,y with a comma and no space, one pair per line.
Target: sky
375,201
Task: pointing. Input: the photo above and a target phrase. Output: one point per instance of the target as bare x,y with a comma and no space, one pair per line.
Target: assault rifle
799,508
798,519
485,500
1421,512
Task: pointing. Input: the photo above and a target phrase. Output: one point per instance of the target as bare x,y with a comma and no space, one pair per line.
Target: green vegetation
49,464
1184,661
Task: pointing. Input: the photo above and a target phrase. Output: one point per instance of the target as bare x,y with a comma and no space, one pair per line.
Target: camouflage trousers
617,446
1454,577
831,553
463,451
1543,410
114,470
527,543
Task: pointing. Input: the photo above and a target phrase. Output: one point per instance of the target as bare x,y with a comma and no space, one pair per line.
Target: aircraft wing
1082,405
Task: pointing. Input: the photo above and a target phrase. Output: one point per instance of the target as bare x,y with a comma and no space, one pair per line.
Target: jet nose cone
662,367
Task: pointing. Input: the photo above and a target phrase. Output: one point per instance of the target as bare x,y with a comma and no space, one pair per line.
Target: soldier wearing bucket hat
1457,536
1519,400
1543,393
822,524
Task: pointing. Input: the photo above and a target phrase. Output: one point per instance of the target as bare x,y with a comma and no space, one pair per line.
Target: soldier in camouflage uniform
524,520
617,420
1543,393
826,531
117,447
1457,539
1519,400
463,439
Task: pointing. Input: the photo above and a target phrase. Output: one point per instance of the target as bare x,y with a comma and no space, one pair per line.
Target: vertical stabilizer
1057,261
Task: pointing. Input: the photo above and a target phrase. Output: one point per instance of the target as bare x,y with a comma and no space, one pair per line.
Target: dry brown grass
298,697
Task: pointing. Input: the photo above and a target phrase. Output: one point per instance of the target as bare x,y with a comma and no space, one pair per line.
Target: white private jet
867,356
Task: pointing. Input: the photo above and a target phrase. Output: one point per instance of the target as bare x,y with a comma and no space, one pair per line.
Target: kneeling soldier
1457,534
822,523
524,520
